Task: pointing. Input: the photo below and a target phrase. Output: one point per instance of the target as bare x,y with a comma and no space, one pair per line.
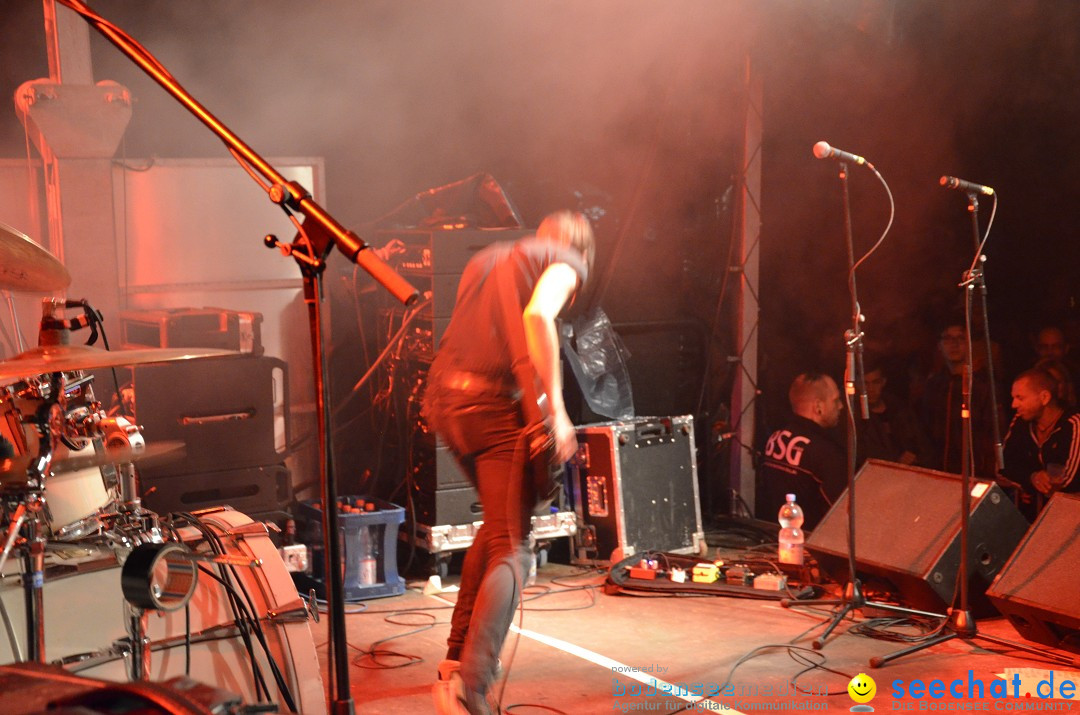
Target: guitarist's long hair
570,228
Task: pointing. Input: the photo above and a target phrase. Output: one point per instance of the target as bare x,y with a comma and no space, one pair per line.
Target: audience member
1051,343
942,399
1065,388
802,458
1042,451
893,432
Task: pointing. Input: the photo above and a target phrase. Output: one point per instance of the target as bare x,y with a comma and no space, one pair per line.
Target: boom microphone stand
854,387
961,622
317,235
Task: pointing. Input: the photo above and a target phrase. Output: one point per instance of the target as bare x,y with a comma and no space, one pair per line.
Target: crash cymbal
26,266
13,469
67,358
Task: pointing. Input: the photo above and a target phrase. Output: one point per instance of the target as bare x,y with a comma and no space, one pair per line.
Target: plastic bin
379,528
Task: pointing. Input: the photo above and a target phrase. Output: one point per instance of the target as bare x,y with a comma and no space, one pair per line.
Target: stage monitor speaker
907,532
1038,586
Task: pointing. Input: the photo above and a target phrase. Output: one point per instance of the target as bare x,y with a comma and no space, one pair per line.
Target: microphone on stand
822,150
951,182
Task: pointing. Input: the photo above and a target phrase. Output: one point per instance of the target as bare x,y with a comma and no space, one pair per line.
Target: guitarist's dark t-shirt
475,341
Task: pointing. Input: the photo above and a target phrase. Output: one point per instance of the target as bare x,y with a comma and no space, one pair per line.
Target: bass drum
85,615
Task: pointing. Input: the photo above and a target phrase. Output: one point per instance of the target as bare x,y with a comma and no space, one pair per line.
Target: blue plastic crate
383,523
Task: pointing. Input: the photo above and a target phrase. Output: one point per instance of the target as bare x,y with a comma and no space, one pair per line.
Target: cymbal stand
960,622
137,642
317,235
26,519
854,388
34,580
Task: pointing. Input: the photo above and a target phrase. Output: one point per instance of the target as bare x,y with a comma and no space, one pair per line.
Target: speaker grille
902,516
1042,572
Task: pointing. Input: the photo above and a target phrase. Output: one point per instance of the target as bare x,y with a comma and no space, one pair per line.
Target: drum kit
90,577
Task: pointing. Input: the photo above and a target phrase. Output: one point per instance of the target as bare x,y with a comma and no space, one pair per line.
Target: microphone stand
961,622
317,235
854,387
975,277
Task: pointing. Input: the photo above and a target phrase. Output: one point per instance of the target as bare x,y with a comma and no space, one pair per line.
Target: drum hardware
292,612
212,628
34,579
121,647
158,577
82,503
17,520
30,494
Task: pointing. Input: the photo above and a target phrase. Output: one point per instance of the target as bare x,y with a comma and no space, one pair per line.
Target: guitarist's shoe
447,667
452,697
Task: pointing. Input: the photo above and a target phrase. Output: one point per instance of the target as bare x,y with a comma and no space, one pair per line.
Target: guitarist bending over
497,366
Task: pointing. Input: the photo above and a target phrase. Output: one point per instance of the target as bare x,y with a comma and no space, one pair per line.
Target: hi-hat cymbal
67,358
26,266
13,469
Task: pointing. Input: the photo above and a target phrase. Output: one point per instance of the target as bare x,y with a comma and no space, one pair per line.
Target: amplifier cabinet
447,505
634,489
251,490
433,260
230,412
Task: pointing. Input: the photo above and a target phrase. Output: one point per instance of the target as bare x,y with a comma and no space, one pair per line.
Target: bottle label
791,554
368,572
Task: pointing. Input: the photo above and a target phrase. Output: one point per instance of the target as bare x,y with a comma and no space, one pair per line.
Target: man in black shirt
1042,447
501,341
893,432
801,458
942,401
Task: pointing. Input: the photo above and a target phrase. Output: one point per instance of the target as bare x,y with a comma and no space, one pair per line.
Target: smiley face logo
862,688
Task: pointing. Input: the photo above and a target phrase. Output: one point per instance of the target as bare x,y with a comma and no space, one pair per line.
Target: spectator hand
1041,481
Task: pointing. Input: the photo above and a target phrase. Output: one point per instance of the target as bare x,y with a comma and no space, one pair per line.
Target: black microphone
951,182
822,150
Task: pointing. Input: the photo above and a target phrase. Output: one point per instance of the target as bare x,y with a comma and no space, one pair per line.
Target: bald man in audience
803,458
1042,447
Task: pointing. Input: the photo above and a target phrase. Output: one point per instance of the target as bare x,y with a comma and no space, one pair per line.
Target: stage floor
582,651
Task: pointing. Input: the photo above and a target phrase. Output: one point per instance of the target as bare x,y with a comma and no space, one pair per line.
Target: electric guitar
548,473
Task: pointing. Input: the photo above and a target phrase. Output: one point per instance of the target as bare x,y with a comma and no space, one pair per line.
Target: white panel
202,221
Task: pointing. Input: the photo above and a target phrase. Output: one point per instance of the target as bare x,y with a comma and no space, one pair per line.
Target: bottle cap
790,497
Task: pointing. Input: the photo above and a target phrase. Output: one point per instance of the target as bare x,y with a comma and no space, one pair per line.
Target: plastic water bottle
530,579
791,533
369,563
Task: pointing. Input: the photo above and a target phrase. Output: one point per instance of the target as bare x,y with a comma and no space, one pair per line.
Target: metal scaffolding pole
746,310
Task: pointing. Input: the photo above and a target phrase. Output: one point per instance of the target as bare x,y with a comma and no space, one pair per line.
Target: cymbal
120,455
26,266
13,469
67,358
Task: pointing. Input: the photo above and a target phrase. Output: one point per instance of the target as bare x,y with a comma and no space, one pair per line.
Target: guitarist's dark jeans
484,434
